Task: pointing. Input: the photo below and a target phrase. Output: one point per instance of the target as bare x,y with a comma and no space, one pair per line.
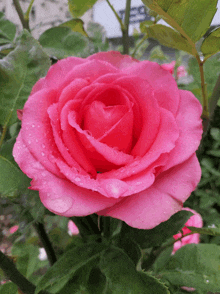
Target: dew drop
33,125
29,142
77,179
43,146
42,153
207,281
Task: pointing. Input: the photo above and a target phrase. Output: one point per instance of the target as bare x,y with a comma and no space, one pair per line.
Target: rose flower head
111,135
194,221
181,71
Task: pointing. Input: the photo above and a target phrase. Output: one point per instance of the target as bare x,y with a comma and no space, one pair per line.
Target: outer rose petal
190,128
164,85
56,73
58,195
147,209
114,58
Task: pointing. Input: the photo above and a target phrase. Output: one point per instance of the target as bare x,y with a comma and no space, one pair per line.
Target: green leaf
8,288
65,268
27,258
191,18
66,43
78,7
194,265
159,234
131,248
19,71
7,30
167,37
76,25
12,180
215,231
211,44
122,276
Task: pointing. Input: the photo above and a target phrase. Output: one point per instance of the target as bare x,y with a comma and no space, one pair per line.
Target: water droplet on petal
42,153
43,146
29,142
77,179
33,125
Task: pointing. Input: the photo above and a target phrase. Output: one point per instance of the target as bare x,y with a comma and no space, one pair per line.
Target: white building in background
48,13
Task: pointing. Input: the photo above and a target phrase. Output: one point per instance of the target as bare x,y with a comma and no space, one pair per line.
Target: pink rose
181,71
113,136
72,228
194,221
13,229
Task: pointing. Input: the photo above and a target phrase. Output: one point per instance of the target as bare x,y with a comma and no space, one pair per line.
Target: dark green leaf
78,7
7,30
66,43
122,276
131,248
65,268
167,37
206,231
12,180
159,234
162,259
19,71
195,265
8,288
189,17
211,44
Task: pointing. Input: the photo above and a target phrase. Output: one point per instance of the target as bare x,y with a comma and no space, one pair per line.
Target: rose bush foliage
111,135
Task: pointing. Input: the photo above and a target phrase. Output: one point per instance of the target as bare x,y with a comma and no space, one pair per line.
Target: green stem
125,36
138,45
117,16
26,16
205,113
16,277
25,23
39,227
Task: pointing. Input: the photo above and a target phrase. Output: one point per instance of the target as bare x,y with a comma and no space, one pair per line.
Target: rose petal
149,109
115,58
164,85
149,208
112,155
190,128
36,128
58,195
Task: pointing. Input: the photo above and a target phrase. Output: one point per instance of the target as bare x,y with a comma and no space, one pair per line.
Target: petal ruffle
190,129
163,83
115,58
149,208
57,194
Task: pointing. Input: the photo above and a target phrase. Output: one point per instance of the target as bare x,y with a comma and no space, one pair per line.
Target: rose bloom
194,221
181,71
111,135
72,228
13,229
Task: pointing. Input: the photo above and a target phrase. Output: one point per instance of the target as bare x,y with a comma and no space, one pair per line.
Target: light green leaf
211,44
191,18
78,7
12,180
122,276
206,231
66,43
195,265
65,268
7,30
167,37
76,25
19,71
